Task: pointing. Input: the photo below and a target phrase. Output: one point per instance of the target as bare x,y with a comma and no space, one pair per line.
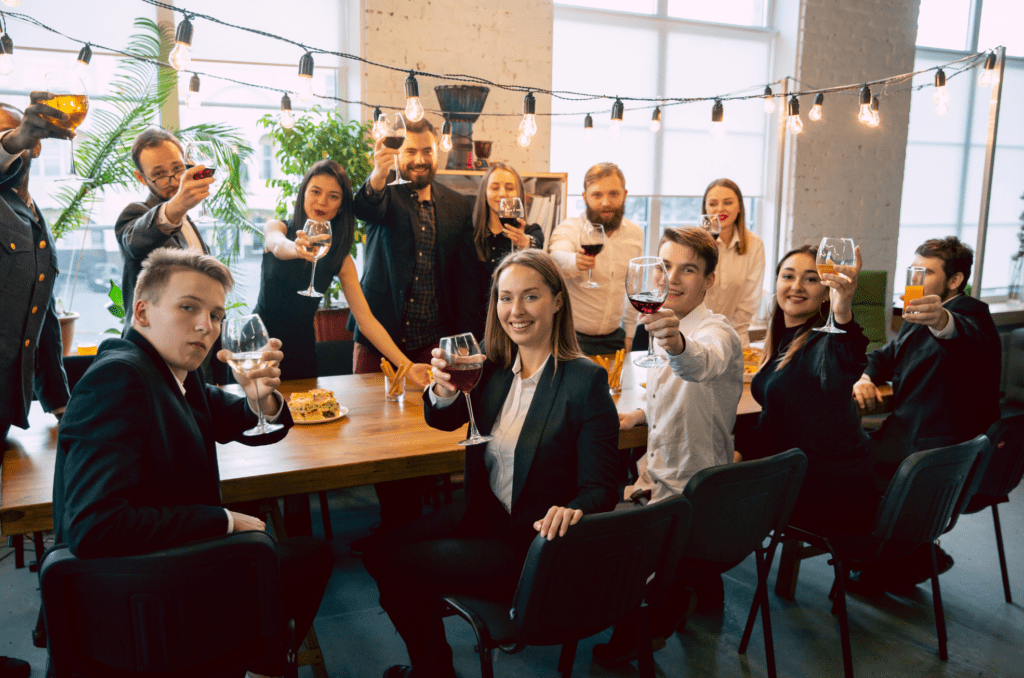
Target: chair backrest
75,367
972,483
923,494
214,603
1006,467
577,585
869,304
735,506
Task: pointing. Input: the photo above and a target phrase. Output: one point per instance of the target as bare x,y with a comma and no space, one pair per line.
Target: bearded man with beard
418,239
604,319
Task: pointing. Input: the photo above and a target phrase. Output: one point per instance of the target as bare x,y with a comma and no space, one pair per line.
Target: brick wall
507,43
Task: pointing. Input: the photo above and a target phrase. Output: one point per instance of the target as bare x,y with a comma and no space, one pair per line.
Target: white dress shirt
736,293
500,454
599,310
950,329
690,405
188,229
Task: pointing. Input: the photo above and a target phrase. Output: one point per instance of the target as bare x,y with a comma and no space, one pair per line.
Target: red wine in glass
205,174
464,377
593,249
394,142
511,222
647,302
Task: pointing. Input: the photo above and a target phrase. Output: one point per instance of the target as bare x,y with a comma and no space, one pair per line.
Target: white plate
342,411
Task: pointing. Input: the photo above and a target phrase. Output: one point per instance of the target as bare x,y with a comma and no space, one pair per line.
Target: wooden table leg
18,543
789,569
312,655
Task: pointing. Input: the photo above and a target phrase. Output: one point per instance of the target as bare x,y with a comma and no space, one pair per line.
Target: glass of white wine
833,252
320,247
246,337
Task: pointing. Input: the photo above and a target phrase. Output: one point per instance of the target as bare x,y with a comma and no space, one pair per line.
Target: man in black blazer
416,235
136,467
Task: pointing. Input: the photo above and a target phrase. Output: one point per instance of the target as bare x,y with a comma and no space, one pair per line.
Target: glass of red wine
647,289
510,211
392,129
204,153
465,365
592,242
711,224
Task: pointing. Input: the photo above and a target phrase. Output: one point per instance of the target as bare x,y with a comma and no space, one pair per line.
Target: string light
815,113
6,54
193,100
446,137
287,121
82,63
656,120
718,120
181,56
865,106
989,76
588,129
769,103
615,128
304,80
793,122
875,120
528,125
941,96
413,107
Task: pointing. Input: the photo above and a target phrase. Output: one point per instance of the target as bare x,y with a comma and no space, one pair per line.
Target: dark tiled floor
891,636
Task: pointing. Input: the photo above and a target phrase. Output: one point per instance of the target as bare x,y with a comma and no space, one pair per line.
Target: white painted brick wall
507,43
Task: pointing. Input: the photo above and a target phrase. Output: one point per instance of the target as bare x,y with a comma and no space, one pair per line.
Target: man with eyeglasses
162,220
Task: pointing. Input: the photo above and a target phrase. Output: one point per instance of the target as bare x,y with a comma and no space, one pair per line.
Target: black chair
210,608
735,507
1005,469
75,367
577,585
918,505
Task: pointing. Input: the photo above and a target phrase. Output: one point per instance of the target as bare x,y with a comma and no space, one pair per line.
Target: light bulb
656,120
413,107
528,125
717,120
12,3
769,103
815,113
875,120
989,76
193,100
615,130
793,122
588,129
940,96
941,109
524,141
718,130
287,121
446,137
304,81
6,55
181,57
82,63
865,106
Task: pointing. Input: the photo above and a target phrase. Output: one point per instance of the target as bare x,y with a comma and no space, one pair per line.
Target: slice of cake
316,405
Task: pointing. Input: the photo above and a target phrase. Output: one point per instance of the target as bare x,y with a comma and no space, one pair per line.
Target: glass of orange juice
915,285
86,348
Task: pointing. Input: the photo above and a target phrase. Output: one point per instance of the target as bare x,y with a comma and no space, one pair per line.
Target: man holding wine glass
593,252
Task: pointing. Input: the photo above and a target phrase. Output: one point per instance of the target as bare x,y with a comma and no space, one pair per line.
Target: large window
946,154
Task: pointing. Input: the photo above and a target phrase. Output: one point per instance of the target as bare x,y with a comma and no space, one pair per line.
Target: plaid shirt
422,324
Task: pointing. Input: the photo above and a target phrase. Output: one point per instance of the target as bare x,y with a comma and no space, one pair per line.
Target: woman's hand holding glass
303,245
442,383
843,283
557,521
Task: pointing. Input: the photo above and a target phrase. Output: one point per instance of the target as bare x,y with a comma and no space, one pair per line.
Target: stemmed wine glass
318,247
247,338
711,224
510,211
204,153
833,252
69,97
592,242
392,129
647,289
465,365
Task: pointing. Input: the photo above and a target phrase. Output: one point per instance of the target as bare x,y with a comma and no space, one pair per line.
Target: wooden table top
376,441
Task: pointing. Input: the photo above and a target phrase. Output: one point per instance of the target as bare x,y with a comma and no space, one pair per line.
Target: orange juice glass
915,284
86,348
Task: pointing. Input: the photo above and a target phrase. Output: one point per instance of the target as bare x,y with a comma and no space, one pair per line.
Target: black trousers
442,553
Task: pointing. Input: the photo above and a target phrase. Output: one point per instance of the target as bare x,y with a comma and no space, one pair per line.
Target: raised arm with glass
834,252
592,242
204,153
70,98
392,128
647,289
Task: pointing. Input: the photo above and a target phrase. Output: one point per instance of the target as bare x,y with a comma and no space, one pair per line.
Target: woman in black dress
325,194
804,387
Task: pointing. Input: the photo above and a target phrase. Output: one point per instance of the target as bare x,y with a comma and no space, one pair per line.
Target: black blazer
136,466
945,391
391,217
30,338
568,451
137,236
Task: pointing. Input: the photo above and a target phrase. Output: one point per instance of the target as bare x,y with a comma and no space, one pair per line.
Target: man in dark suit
136,467
944,366
416,233
30,338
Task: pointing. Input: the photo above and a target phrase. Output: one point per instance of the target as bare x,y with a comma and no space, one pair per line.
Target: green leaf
115,293
113,330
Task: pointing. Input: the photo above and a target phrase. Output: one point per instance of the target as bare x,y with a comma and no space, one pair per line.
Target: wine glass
319,248
711,224
392,128
833,252
647,289
510,211
247,338
592,242
204,153
69,97
465,365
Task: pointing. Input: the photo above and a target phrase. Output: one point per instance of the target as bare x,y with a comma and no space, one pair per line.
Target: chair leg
789,569
18,542
644,651
940,617
752,617
766,620
567,658
325,516
486,665
37,540
844,623
1002,553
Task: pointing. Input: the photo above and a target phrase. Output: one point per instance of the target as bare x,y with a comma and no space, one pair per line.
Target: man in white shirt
690,409
605,322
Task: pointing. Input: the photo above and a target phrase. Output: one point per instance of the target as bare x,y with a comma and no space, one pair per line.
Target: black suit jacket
391,217
567,453
136,466
30,339
945,391
138,235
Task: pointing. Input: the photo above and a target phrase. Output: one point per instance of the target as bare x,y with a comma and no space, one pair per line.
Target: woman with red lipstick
736,293
325,194
804,386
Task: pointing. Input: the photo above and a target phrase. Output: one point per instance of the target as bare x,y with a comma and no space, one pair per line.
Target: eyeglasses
164,180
